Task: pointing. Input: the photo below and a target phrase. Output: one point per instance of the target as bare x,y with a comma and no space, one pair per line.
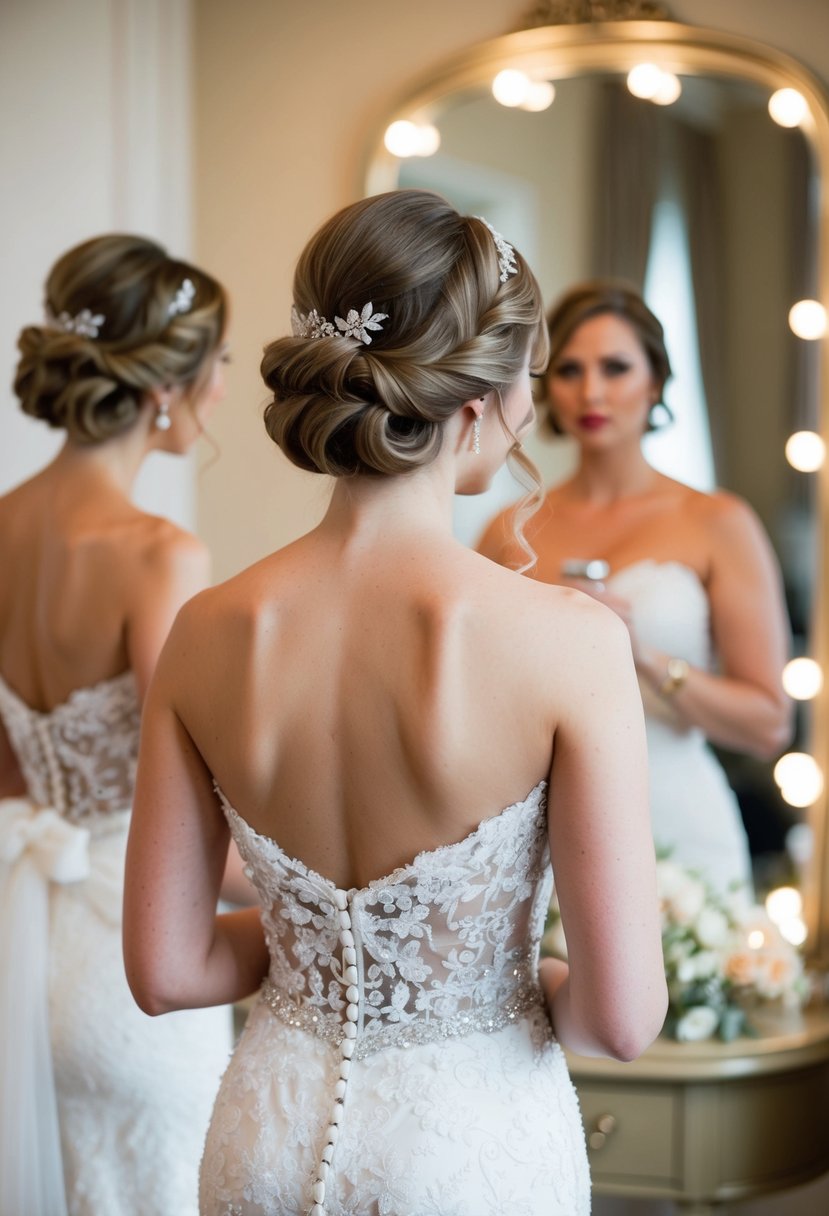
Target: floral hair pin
182,301
356,324
86,323
506,252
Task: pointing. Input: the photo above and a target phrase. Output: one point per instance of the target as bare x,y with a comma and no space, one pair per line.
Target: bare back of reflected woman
102,1109
398,734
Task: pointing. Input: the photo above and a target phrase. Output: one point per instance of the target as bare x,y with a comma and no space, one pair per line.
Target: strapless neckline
647,562
77,694
399,873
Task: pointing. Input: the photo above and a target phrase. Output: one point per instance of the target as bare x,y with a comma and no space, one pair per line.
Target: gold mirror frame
561,51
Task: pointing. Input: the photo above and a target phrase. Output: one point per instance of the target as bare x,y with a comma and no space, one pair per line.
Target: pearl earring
476,436
163,422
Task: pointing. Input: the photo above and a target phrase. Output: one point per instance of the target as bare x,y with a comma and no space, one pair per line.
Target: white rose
697,1023
687,901
669,878
699,966
712,928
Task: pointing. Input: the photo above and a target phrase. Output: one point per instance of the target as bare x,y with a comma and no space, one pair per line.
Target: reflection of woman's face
601,385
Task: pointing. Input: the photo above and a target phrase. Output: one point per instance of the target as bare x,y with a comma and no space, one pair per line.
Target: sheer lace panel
80,757
443,946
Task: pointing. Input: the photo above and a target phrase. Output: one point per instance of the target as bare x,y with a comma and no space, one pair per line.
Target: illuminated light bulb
802,679
668,91
805,451
794,930
756,939
511,87
402,138
784,903
645,80
807,319
788,108
428,140
540,97
799,778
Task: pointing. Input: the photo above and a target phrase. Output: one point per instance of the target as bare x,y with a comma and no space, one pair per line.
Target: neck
114,461
607,476
365,509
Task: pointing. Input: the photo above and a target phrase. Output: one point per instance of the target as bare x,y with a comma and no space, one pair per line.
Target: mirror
718,213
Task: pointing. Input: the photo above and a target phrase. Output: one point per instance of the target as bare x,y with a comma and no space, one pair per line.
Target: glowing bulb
794,930
788,108
756,939
799,778
428,140
807,319
511,87
802,679
805,451
783,903
402,138
540,96
645,80
668,91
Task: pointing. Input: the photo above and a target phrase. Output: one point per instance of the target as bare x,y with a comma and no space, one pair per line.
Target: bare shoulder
727,520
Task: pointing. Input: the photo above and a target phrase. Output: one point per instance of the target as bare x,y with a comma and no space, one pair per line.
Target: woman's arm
179,953
743,706
611,998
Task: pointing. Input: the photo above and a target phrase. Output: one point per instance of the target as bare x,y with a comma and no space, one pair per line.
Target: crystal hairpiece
85,322
506,252
183,299
356,324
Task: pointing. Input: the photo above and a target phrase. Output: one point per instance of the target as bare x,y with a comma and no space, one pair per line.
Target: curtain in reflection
627,183
701,192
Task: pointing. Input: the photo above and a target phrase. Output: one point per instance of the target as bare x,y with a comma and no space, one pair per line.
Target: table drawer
632,1137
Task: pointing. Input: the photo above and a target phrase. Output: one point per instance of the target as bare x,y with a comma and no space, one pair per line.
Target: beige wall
286,96
95,136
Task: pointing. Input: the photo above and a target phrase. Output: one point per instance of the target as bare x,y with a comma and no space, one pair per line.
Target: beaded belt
525,1001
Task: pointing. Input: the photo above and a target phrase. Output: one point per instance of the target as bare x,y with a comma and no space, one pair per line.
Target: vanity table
707,1123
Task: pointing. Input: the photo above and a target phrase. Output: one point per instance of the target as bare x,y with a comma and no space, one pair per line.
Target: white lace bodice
80,757
442,946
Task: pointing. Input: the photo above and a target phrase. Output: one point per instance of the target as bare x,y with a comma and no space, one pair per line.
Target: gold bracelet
677,670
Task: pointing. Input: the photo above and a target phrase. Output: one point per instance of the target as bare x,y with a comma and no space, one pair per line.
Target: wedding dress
399,1059
693,809
103,1110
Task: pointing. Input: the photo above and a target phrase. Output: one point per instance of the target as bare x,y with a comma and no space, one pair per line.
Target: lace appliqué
80,758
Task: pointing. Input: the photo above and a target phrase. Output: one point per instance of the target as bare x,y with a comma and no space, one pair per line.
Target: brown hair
453,332
599,297
94,387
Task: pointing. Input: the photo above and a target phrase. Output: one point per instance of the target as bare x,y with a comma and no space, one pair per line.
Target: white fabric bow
37,847
58,849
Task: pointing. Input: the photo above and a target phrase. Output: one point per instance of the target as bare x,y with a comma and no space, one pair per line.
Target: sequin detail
527,1000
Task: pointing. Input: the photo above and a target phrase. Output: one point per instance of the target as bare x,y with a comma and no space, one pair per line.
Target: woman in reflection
692,575
103,1111
378,696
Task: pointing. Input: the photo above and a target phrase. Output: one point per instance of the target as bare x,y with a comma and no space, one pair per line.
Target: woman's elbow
775,733
152,990
627,1042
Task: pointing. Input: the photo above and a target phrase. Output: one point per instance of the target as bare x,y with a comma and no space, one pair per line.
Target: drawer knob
604,1126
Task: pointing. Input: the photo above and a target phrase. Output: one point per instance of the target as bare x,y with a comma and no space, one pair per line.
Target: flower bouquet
722,957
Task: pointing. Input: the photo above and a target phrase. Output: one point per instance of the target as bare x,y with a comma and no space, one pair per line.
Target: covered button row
352,1013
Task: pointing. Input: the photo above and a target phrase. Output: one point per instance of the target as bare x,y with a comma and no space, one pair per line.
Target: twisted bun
94,387
452,332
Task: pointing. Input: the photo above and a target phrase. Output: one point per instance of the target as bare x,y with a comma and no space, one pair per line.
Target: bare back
91,586
360,707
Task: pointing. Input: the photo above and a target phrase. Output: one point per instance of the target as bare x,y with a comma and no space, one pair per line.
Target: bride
692,575
102,1111
398,734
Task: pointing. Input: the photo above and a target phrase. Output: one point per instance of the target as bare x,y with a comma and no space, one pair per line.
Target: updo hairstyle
597,298
453,332
94,387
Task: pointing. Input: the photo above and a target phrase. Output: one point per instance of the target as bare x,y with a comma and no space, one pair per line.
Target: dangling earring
476,436
163,422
